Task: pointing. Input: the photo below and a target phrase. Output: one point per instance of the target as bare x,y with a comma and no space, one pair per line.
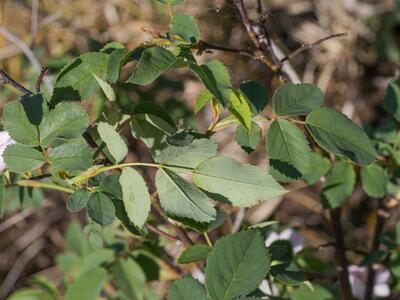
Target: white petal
272,237
382,275
381,290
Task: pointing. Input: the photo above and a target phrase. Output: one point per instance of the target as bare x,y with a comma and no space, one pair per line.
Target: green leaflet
185,26
339,184
391,101
337,134
129,278
182,199
288,149
68,120
20,158
216,79
87,286
78,200
106,88
135,196
188,157
31,294
34,107
76,81
194,253
115,144
100,208
152,64
186,288
255,94
374,180
239,107
117,58
297,99
319,166
202,99
71,156
236,265
240,185
17,124
318,293
248,139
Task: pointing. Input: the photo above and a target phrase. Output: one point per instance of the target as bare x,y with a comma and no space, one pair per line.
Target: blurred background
352,71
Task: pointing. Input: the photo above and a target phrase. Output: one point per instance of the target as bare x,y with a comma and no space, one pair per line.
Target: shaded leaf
297,99
248,139
185,26
337,134
241,185
19,158
34,107
129,278
319,166
339,184
152,64
374,180
78,200
100,208
194,253
236,265
182,199
186,288
391,101
135,196
256,94
288,149
87,286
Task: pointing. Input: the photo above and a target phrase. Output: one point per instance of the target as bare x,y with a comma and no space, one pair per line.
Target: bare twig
203,46
335,245
309,46
27,51
382,214
40,79
19,266
162,233
6,79
340,254
260,51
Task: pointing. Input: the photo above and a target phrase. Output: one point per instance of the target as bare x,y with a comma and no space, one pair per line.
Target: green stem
207,239
96,171
38,184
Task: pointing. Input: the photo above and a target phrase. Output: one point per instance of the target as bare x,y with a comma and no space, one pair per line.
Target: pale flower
358,279
5,140
290,235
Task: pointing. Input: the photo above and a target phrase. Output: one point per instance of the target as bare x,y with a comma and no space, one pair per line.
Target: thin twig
382,214
27,51
203,46
260,50
309,46
19,266
6,79
335,245
162,233
39,80
340,254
